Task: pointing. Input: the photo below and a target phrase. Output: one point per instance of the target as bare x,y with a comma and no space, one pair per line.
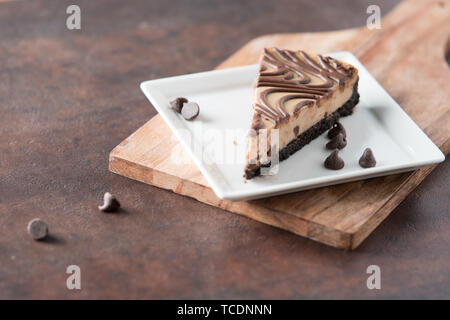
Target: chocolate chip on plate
336,129
177,103
37,229
338,142
110,203
367,159
333,161
190,110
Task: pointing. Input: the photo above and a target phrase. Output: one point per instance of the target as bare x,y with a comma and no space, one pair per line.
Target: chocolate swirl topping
285,71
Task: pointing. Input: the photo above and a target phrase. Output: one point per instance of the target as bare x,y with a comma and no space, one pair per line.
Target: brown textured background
68,97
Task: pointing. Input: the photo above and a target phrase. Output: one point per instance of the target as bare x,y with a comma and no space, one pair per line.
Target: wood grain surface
68,97
343,215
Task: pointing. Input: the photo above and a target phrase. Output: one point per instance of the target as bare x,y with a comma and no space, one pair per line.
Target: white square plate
216,139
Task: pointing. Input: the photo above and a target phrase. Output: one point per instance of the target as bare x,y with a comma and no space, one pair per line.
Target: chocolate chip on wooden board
336,129
367,159
37,229
110,203
333,161
339,142
190,110
177,103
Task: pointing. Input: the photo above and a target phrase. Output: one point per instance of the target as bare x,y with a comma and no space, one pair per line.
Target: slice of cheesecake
300,94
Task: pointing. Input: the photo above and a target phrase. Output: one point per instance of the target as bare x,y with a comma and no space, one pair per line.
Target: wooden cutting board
407,56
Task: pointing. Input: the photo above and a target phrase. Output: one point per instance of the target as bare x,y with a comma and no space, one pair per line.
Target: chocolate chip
110,203
296,129
190,110
338,142
337,128
333,161
37,229
367,159
177,103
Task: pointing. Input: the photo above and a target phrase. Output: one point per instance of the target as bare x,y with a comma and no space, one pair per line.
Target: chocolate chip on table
190,110
336,129
367,159
110,203
177,103
333,161
338,142
37,229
